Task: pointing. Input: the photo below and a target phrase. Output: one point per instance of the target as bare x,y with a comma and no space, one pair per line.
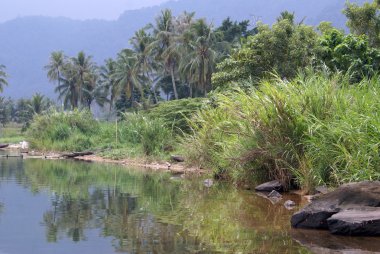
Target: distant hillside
26,43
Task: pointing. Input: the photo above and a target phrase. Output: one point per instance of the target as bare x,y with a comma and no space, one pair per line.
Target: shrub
176,113
316,128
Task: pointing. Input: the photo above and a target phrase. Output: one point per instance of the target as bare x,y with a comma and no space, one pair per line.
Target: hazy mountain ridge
26,43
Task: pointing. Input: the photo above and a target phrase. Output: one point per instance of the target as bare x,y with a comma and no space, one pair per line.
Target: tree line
175,56
183,56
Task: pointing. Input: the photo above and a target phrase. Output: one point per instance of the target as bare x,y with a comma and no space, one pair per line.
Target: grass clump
63,131
175,114
135,134
315,129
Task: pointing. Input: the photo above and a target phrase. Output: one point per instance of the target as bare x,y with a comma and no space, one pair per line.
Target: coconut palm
3,77
83,65
54,67
127,76
162,45
145,63
93,90
107,80
68,90
39,103
199,62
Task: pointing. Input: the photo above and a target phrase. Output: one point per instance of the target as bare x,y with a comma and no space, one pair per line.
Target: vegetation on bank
288,102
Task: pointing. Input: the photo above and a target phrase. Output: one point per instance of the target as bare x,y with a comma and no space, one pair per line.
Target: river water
73,207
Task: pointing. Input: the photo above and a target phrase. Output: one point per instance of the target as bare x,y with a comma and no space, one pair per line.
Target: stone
322,189
364,222
177,158
208,183
347,197
289,204
270,186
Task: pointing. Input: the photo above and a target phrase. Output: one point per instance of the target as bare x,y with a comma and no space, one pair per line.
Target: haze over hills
26,43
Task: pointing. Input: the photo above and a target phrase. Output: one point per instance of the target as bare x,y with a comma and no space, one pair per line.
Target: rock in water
270,186
365,221
289,204
349,199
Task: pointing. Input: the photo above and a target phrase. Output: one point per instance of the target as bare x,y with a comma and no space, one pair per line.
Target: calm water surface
72,207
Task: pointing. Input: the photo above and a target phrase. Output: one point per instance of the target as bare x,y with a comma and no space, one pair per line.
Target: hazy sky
76,9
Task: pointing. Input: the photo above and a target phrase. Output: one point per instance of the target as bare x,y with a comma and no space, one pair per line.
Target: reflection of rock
274,197
322,242
274,194
270,186
354,196
364,221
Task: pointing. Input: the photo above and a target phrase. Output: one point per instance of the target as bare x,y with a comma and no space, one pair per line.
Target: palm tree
199,62
68,90
163,45
38,104
127,76
3,78
94,90
145,63
107,74
83,65
55,65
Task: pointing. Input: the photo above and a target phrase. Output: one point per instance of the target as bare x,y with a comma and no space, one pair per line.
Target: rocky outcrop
364,221
270,186
352,209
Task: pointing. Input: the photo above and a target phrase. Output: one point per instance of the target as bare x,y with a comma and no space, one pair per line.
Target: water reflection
131,211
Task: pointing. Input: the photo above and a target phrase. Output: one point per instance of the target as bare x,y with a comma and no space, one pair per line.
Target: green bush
67,131
152,134
317,128
176,113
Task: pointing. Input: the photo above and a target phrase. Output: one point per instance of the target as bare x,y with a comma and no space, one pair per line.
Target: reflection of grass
11,134
230,221
221,218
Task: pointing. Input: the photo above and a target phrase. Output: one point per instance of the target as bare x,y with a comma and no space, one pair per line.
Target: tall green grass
315,129
78,131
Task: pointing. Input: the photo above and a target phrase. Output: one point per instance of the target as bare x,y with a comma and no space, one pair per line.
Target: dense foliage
287,101
316,128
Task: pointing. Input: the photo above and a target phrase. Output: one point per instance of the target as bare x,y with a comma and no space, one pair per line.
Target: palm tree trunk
173,82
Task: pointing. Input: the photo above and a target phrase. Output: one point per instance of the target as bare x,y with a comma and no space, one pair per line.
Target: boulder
177,158
270,186
364,221
354,196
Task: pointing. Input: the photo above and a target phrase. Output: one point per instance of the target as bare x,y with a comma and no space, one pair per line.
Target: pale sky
75,9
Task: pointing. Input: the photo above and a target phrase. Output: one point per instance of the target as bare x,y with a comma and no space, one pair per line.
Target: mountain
26,43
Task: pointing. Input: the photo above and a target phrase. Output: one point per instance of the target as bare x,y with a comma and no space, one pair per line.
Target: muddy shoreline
172,167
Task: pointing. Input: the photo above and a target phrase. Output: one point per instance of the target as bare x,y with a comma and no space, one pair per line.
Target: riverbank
147,163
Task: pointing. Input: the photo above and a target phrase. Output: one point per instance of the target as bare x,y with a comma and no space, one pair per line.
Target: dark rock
323,242
270,186
289,204
322,189
346,197
364,221
177,158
